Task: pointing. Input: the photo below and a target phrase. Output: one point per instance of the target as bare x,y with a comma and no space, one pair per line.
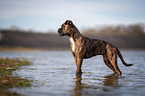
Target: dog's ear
68,22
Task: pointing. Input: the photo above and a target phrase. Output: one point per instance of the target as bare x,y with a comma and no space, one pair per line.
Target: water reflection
111,80
80,88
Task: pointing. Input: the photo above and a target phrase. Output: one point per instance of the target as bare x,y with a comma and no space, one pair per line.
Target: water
53,73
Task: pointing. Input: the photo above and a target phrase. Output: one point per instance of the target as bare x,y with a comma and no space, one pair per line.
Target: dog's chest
72,43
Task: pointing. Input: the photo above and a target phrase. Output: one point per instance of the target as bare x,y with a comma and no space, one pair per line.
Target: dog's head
66,28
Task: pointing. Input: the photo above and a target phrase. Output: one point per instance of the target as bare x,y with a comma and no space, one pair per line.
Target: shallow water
53,73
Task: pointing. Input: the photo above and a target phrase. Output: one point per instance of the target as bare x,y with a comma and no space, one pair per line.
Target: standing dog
83,48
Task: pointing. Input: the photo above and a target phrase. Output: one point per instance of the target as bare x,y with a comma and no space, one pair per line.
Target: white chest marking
73,43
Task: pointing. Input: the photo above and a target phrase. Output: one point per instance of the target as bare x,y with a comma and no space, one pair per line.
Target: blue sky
45,15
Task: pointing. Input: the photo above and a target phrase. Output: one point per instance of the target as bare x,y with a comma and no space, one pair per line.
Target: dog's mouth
60,32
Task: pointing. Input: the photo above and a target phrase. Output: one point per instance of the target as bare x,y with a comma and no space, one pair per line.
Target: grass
8,79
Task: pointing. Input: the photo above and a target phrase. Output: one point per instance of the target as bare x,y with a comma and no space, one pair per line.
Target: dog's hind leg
114,63
112,57
108,63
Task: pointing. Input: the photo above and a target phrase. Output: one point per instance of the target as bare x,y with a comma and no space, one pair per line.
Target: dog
84,48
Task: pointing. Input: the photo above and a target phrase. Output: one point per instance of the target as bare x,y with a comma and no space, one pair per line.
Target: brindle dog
83,48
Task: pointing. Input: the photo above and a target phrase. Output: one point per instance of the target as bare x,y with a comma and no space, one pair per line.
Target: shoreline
31,49
2,49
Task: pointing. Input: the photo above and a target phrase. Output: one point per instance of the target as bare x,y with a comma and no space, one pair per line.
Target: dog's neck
75,38
76,35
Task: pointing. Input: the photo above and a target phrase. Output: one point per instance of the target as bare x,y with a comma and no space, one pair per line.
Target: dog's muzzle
60,32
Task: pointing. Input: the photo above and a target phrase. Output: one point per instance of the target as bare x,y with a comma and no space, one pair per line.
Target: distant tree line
122,36
134,29
117,29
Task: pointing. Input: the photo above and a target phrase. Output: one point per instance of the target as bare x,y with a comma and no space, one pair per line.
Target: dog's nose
59,29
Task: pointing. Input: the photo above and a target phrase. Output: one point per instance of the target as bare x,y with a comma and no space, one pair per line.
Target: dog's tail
120,56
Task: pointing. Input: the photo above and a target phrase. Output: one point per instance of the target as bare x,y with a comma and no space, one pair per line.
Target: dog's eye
62,26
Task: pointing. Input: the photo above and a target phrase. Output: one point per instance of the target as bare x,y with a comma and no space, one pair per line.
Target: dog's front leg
78,62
